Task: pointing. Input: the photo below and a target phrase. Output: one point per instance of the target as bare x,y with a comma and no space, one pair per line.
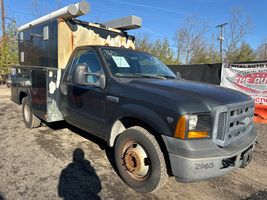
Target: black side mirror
81,74
178,75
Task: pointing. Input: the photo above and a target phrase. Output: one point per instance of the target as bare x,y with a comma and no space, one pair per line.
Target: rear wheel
30,120
140,161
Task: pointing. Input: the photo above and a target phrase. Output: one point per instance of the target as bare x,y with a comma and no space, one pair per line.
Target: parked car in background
8,81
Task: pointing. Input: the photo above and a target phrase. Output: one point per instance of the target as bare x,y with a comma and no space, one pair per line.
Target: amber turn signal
197,134
181,128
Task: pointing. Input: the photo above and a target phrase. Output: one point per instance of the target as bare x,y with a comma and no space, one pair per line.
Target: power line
140,6
18,11
149,6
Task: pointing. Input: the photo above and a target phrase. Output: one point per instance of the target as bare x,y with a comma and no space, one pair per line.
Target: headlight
193,126
192,122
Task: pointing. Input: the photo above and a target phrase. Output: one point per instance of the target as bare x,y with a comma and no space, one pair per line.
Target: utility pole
265,51
220,38
3,18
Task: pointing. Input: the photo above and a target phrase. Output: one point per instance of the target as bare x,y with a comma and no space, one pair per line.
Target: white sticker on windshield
121,61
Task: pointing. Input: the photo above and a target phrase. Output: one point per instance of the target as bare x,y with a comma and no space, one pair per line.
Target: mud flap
246,158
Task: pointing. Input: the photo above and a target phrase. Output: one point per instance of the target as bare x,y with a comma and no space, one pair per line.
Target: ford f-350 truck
159,125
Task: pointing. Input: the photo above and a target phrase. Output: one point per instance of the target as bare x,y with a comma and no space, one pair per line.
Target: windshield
128,63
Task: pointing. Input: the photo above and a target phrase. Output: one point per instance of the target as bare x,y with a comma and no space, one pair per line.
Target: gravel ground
62,162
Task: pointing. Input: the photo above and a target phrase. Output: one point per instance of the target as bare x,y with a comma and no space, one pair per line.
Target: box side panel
72,34
38,45
65,43
96,36
53,95
42,85
39,92
21,83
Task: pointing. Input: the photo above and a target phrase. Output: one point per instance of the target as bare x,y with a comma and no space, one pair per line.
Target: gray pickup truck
158,124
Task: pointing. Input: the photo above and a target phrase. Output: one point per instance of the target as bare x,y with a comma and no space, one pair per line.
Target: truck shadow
78,180
1,197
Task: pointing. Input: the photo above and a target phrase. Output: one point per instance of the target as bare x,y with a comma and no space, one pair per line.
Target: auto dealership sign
248,78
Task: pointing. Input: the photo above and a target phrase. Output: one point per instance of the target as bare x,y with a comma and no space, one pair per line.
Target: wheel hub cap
136,161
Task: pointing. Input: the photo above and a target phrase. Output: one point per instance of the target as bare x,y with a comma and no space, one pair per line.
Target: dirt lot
48,163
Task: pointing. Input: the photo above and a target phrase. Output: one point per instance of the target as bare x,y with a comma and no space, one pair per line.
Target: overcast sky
160,18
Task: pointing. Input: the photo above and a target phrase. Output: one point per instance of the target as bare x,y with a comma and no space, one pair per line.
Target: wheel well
126,122
21,96
123,123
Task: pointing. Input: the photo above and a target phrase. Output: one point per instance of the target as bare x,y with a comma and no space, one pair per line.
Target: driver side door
85,106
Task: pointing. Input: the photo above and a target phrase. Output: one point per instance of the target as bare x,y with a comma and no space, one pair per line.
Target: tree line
8,49
195,43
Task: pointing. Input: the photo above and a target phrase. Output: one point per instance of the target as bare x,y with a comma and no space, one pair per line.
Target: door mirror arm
93,74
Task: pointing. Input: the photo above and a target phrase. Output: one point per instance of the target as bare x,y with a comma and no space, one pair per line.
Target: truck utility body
158,124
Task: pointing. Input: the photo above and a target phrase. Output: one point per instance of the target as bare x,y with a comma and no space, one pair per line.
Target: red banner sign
247,78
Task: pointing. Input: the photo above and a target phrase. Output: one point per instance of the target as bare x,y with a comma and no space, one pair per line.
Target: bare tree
39,8
143,43
261,51
160,48
239,26
35,8
58,4
190,38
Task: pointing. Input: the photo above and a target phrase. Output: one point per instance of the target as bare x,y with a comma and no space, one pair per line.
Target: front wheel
140,161
30,120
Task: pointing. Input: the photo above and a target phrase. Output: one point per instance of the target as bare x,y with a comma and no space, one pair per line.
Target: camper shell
51,44
45,49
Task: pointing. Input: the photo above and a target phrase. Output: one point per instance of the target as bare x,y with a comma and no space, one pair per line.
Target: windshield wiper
139,75
150,75
168,76
126,75
157,76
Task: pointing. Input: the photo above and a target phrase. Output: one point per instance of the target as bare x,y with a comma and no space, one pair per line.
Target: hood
190,92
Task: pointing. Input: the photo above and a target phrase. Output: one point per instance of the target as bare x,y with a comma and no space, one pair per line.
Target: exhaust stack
67,12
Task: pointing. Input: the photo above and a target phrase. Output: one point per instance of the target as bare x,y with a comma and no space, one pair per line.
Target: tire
140,161
30,120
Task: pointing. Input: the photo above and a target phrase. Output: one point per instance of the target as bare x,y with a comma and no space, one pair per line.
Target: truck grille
232,122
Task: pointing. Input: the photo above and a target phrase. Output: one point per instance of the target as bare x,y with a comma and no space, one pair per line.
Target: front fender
144,114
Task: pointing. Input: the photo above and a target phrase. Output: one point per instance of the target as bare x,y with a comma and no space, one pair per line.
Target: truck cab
204,131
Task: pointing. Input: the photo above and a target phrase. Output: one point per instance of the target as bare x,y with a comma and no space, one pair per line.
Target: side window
90,59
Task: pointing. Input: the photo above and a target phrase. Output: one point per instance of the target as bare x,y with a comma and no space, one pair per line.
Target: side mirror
178,75
81,74
102,81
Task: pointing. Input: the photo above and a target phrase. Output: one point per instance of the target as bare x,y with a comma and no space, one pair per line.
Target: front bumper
198,160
